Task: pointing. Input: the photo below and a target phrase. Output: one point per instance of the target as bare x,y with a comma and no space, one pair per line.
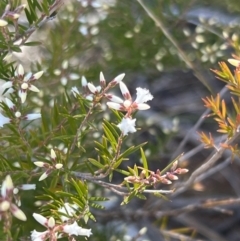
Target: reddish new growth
154,178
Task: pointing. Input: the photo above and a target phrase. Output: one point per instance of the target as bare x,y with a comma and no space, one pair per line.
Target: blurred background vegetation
116,36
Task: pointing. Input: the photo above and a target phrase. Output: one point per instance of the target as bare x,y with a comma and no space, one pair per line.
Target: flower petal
41,219
38,75
119,78
43,176
143,106
33,116
143,95
114,105
6,85
92,88
75,91
7,186
234,62
69,210
33,88
20,70
9,103
39,236
3,120
3,23
17,213
125,92
74,229
84,81
22,95
53,154
102,79
114,98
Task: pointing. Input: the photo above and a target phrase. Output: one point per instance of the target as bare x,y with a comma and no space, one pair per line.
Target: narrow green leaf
131,150
90,216
38,6
33,43
144,160
170,164
45,121
118,163
157,194
141,196
110,136
64,194
111,128
28,15
15,48
78,202
45,7
96,205
98,199
132,171
95,163
123,172
135,169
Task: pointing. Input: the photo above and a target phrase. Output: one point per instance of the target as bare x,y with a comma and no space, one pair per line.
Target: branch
203,168
117,188
181,53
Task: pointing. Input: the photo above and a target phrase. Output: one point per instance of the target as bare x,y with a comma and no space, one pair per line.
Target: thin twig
117,188
181,53
201,228
203,168
140,213
195,127
178,236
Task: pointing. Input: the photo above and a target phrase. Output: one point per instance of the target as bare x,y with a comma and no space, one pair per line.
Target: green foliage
77,149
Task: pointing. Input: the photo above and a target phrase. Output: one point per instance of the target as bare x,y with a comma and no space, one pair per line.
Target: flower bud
181,171
3,23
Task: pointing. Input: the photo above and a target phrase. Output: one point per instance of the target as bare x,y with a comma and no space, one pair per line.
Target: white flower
143,95
75,91
53,229
127,125
26,82
74,229
69,210
6,203
9,103
39,236
48,223
128,105
49,167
